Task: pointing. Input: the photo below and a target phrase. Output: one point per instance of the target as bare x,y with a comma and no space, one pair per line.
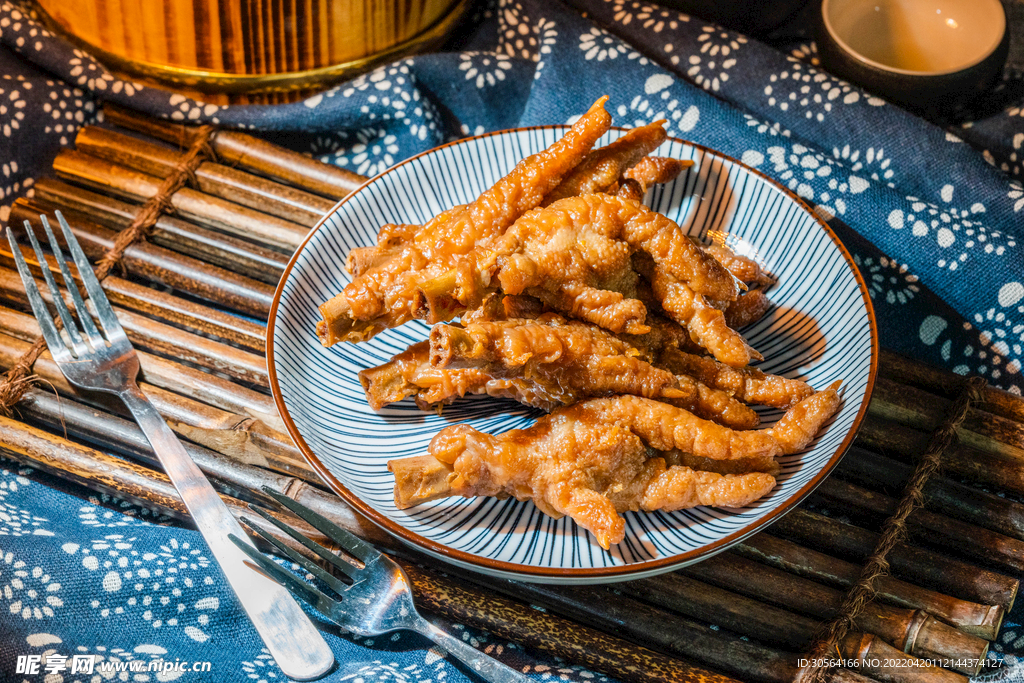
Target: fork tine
359,549
311,594
53,339
108,321
58,300
348,568
76,298
304,562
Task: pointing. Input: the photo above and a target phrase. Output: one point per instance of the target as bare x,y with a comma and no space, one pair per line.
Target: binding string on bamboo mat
16,381
894,531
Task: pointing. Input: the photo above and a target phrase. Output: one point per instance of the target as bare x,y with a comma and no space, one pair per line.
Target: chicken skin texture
382,296
602,457
749,385
603,167
545,364
651,171
577,360
569,466
576,257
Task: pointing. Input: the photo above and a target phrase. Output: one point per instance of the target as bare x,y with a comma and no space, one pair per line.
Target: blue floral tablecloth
932,215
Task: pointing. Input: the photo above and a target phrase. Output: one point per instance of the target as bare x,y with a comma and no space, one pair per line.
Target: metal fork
379,599
102,359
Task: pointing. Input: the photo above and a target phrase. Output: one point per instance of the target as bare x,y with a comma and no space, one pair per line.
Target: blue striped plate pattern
821,328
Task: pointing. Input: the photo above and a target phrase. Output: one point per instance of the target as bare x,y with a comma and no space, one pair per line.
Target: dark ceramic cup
933,57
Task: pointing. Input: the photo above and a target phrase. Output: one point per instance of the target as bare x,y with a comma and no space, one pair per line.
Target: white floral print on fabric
765,128
815,91
10,187
390,96
14,520
709,68
12,104
125,513
955,230
651,17
65,109
89,73
374,151
378,671
657,103
16,21
1002,326
873,162
28,591
597,45
323,145
484,68
522,37
806,52
41,644
190,110
887,279
262,668
1012,669
985,358
1011,164
1016,193
169,588
813,176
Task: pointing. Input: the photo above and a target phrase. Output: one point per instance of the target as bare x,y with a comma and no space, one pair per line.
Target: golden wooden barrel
251,46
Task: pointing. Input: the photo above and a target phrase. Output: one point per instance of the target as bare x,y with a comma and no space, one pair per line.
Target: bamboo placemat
187,222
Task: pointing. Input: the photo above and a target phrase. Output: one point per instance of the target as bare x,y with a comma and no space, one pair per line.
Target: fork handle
294,642
485,666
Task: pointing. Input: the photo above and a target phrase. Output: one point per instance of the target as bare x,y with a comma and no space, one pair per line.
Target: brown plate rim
536,572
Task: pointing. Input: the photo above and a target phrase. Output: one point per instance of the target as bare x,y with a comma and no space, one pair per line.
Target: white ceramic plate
820,329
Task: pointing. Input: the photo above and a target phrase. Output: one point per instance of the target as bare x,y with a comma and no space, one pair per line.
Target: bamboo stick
922,410
677,635
910,372
885,663
190,204
99,471
1001,471
234,478
163,266
156,337
970,617
212,178
243,438
926,527
156,304
917,564
765,622
232,253
167,374
243,150
517,622
706,602
912,631
941,494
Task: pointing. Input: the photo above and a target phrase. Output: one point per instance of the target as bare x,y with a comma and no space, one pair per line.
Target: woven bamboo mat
904,560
